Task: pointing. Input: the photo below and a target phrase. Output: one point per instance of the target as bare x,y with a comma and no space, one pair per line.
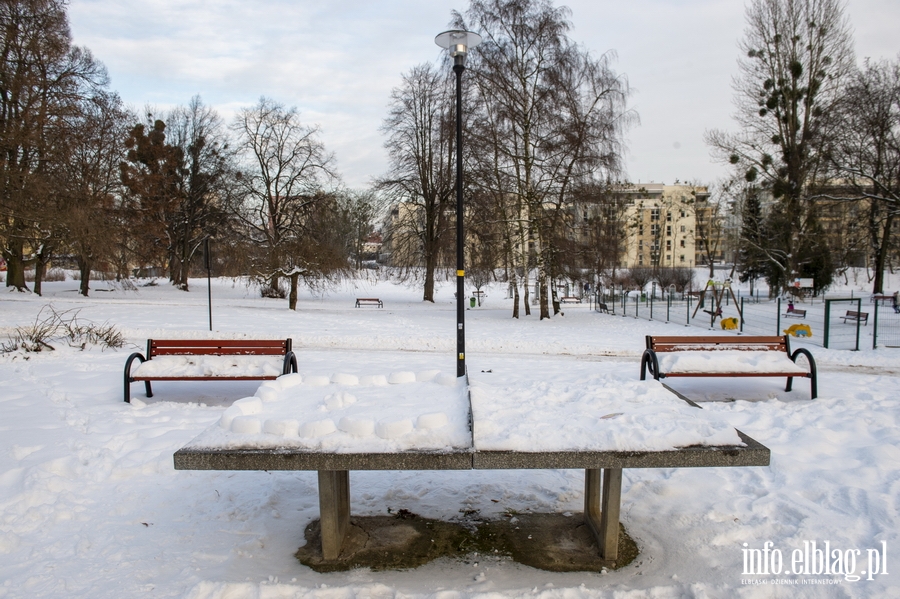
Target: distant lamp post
459,42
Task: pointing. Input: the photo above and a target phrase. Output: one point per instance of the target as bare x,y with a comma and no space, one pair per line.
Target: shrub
63,326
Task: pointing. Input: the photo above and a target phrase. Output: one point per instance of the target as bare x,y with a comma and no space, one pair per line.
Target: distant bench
209,360
854,316
881,298
601,307
369,301
769,356
570,300
795,313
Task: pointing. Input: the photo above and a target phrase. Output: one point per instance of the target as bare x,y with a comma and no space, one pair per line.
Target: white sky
338,60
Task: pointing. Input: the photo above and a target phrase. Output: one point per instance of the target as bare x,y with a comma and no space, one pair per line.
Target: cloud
337,61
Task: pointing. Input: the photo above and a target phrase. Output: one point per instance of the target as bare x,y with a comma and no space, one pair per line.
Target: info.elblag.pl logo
815,559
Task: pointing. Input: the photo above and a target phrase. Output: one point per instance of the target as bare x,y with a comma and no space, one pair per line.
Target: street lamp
458,43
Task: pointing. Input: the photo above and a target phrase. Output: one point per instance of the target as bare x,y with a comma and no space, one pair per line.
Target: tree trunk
515,285
40,268
292,298
84,268
881,255
527,302
182,267
15,264
542,289
428,293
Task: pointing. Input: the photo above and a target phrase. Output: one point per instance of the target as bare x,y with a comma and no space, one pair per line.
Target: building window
654,230
668,244
654,214
682,258
669,230
668,217
640,229
682,229
682,243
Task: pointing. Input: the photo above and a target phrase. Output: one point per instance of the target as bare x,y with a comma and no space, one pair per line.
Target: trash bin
471,302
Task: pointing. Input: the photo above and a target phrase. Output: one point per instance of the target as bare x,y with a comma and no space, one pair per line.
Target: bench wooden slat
713,343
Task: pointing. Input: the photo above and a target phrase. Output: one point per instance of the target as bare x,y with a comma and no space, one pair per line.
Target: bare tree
359,209
798,54
285,167
91,188
554,114
208,181
866,156
421,152
43,78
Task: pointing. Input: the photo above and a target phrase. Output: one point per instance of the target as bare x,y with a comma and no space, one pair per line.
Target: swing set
717,293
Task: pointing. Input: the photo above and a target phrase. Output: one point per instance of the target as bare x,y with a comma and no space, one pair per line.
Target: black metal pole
458,68
208,279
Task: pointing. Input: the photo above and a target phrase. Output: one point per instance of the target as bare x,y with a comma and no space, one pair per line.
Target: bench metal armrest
128,380
290,363
814,387
649,360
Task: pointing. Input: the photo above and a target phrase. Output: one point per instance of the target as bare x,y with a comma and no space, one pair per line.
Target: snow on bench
759,356
209,359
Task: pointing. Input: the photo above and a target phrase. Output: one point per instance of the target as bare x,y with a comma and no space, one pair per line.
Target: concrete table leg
601,508
334,510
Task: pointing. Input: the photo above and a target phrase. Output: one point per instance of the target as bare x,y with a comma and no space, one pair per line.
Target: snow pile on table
210,366
609,414
346,413
735,361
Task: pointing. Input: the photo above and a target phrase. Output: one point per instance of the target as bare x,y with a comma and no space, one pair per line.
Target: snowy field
91,506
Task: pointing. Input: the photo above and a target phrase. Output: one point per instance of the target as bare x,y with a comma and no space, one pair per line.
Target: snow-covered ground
91,506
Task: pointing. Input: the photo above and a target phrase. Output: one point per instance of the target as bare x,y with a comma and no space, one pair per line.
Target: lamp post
458,43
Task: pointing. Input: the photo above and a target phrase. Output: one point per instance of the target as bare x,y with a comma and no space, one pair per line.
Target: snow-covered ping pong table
432,421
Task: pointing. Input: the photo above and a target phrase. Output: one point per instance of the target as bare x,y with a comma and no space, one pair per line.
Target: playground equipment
717,292
798,330
729,324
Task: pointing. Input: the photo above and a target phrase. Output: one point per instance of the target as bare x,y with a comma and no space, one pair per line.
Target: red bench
766,350
199,361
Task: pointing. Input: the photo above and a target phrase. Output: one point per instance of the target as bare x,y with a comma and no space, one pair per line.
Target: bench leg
601,508
334,510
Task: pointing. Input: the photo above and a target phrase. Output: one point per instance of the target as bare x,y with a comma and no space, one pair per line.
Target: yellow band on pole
460,273
462,356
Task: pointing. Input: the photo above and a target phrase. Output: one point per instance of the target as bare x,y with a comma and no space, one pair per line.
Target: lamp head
458,42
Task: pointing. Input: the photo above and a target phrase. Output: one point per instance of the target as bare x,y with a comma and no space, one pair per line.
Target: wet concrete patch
553,542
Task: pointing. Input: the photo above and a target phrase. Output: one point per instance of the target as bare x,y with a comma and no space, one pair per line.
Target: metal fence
826,321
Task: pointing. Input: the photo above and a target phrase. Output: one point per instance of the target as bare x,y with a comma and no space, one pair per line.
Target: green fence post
743,315
858,320
827,326
875,329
